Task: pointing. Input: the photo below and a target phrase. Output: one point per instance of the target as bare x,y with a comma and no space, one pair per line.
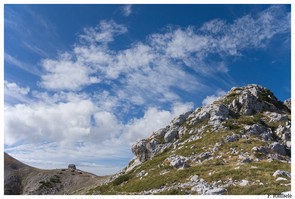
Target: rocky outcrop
287,103
253,99
238,102
246,126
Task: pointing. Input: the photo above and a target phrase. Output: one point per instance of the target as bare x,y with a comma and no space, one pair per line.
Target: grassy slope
221,169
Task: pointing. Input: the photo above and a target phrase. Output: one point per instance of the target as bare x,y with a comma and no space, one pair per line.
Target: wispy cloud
39,39
126,10
21,64
35,49
103,33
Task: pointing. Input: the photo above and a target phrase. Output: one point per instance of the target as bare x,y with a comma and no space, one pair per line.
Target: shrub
121,179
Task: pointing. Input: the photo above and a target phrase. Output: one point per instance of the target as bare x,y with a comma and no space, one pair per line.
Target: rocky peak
234,145
252,99
238,102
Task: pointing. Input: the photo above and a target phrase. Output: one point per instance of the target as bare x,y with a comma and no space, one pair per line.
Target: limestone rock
141,173
180,119
171,135
205,155
216,191
278,148
232,138
282,173
287,103
252,99
178,161
257,129
243,183
140,150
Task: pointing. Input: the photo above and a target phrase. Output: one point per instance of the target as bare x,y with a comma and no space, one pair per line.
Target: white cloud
210,99
153,120
65,73
103,33
61,122
52,135
127,10
15,93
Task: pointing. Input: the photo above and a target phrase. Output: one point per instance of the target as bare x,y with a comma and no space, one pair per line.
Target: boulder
257,129
159,133
180,119
171,135
277,117
205,155
195,178
278,148
282,173
216,191
284,132
152,145
287,103
281,179
200,116
260,149
218,112
243,183
178,161
232,138
141,173
140,150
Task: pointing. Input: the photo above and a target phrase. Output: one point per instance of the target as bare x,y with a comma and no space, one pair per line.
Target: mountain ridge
22,179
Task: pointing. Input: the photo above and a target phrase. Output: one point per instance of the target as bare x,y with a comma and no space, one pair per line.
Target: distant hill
20,178
239,144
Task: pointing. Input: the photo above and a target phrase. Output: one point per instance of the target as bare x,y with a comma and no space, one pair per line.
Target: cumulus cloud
211,98
152,120
66,74
61,122
127,10
77,130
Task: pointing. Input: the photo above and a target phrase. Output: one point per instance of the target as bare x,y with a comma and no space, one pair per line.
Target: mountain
20,178
239,144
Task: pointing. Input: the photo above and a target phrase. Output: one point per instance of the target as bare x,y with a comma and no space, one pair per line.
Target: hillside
239,144
20,178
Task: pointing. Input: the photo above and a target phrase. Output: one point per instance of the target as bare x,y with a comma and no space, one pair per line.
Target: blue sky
82,83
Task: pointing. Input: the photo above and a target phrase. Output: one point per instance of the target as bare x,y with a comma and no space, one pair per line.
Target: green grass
198,146
222,169
272,189
231,124
172,192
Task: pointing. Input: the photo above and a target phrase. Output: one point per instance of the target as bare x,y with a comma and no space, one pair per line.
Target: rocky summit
239,144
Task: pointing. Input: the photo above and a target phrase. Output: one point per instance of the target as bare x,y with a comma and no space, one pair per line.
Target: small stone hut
72,166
